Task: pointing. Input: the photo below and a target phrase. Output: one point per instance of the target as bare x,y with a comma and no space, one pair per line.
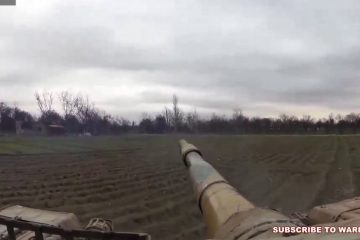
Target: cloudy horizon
265,57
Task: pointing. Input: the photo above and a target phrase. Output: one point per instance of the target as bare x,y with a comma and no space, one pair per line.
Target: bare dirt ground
141,184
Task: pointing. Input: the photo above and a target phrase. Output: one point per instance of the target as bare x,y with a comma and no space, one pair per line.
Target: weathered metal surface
39,229
100,224
334,212
62,219
41,224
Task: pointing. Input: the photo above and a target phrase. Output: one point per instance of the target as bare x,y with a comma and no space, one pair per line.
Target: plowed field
141,184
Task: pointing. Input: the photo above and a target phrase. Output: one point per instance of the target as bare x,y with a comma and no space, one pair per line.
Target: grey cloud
335,81
195,100
216,55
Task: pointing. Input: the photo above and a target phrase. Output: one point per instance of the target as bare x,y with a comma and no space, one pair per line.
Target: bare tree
145,115
168,117
192,120
87,113
68,103
44,101
177,113
84,108
237,113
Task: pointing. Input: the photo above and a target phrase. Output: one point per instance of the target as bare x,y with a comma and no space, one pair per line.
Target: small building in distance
49,130
55,130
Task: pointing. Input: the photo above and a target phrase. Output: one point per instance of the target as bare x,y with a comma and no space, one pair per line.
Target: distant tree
102,123
72,124
122,125
25,117
287,123
68,102
177,114
51,117
192,121
168,118
86,113
146,126
340,123
44,101
219,124
306,123
9,115
259,125
353,120
239,121
7,120
329,124
160,124
237,113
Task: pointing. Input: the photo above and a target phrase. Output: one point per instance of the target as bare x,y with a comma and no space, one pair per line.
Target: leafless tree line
71,104
175,120
79,114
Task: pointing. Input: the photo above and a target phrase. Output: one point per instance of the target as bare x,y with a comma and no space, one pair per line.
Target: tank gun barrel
227,214
216,198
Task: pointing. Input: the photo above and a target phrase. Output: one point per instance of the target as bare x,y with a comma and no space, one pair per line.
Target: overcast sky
266,57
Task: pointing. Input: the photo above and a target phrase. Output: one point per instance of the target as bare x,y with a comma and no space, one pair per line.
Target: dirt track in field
141,184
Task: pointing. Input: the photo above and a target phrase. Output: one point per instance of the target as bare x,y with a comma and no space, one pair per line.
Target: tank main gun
229,215
226,212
